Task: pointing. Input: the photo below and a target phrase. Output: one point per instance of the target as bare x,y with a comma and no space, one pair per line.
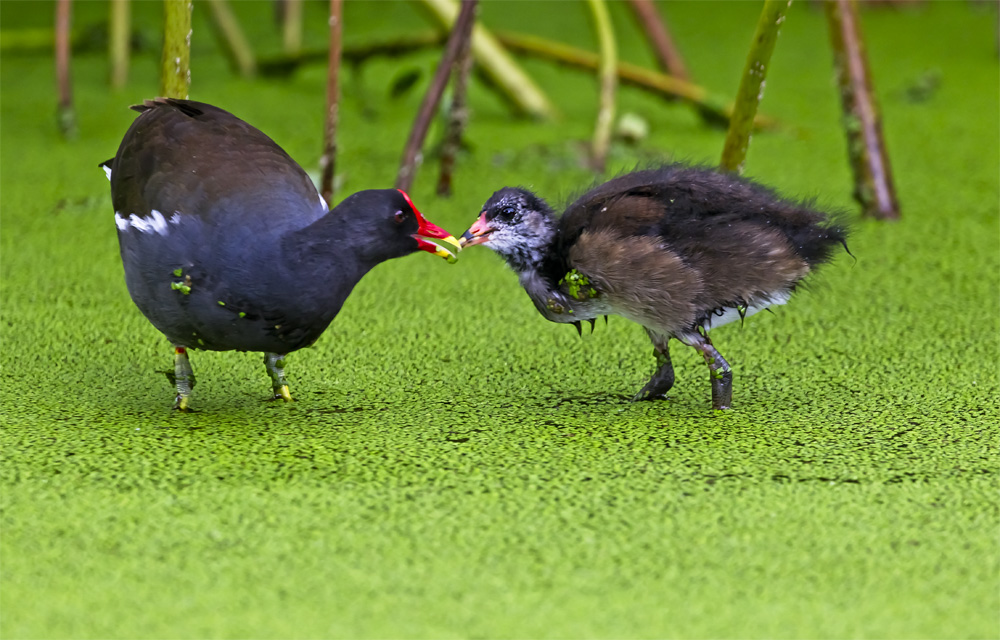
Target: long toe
658,386
283,393
181,403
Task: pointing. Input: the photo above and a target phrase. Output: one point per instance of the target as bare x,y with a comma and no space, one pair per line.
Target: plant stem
458,113
175,66
711,106
291,27
233,41
497,64
659,37
408,166
354,54
873,184
607,72
119,41
751,89
328,160
65,114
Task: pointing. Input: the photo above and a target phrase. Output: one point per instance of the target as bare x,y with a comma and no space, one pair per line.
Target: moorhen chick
227,245
678,249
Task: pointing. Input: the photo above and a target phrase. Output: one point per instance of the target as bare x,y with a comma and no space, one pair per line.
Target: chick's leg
719,370
663,378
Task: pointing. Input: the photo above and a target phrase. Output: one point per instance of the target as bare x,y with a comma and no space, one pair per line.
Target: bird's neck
566,298
328,245
533,248
542,278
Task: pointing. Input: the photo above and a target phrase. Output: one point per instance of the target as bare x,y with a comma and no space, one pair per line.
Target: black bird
227,244
678,249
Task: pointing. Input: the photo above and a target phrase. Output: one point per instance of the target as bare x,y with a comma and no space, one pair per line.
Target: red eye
400,216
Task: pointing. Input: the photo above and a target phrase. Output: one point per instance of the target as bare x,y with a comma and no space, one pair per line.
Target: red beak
430,230
478,233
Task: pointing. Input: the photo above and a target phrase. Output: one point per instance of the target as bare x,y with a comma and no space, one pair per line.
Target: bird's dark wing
677,203
657,242
198,160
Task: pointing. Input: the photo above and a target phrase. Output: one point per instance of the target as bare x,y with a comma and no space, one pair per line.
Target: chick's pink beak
478,233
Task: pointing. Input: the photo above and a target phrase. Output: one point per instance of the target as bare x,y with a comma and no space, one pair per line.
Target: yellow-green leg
183,378
275,363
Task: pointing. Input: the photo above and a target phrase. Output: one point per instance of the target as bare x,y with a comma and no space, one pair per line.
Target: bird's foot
275,364
658,385
183,378
719,371
182,404
722,379
663,380
645,395
282,393
722,389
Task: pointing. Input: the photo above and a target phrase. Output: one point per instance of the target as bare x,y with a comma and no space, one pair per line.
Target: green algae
578,285
454,465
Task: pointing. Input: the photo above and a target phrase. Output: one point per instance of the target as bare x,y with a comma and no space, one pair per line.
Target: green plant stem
501,69
607,72
710,106
119,40
233,41
751,89
356,54
175,78
873,184
291,27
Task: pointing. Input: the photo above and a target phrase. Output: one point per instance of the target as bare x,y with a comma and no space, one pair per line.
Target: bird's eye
399,217
506,213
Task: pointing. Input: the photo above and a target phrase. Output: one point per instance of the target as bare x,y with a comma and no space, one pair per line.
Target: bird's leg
183,378
663,378
718,369
275,364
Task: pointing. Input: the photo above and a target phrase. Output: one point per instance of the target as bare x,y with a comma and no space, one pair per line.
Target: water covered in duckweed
454,466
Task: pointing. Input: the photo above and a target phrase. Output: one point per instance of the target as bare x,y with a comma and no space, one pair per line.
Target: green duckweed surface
455,466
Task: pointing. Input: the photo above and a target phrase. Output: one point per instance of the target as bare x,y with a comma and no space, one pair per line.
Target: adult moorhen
227,244
678,249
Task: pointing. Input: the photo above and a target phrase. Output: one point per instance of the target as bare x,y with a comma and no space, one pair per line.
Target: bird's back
679,203
712,241
198,160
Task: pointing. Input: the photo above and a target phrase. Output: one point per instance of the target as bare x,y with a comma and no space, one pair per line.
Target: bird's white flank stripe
107,171
154,222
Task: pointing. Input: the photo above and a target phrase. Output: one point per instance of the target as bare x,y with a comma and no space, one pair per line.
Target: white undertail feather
731,314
